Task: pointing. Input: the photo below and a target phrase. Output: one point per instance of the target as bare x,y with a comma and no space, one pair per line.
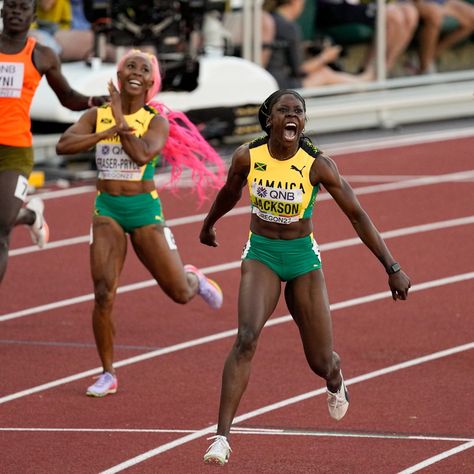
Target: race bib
281,206
11,79
21,189
113,163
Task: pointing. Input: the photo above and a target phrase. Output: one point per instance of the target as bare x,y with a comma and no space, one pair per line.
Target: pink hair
185,146
155,69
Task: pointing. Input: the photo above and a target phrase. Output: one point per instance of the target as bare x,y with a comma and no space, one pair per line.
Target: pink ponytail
187,148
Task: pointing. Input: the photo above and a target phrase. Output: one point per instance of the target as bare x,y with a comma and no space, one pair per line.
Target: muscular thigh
307,300
157,250
108,249
260,289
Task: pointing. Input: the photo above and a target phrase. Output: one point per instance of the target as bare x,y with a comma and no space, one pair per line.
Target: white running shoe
208,289
39,230
338,402
218,452
106,383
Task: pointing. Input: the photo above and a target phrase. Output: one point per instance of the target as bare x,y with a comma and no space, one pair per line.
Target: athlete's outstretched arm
325,171
228,196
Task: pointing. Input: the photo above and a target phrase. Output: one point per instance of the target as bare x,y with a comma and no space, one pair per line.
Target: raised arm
228,196
325,171
140,149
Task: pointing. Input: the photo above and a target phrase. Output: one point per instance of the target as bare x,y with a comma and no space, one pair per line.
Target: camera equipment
172,27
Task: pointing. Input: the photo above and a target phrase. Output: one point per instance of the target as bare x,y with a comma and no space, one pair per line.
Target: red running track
408,364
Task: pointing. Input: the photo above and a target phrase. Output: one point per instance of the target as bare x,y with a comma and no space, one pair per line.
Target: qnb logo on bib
282,206
11,79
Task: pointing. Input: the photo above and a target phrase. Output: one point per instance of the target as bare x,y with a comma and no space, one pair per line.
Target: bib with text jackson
281,190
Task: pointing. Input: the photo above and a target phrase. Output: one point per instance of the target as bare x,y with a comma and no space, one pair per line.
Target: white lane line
340,434
335,149
97,430
46,195
324,196
396,142
246,431
437,458
229,333
232,265
284,403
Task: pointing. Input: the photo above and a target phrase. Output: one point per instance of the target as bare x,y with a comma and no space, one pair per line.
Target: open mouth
290,130
135,83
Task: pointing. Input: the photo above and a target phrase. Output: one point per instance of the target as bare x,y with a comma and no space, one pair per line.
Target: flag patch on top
260,166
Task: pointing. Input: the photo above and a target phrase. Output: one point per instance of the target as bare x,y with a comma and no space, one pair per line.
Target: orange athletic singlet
19,80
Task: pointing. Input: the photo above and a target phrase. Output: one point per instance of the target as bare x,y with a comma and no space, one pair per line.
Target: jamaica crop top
281,190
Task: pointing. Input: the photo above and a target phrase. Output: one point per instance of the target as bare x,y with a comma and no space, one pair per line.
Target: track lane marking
363,190
284,403
404,231
333,149
229,333
438,457
247,431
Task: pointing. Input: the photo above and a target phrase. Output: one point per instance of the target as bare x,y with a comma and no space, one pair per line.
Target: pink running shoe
208,289
39,230
106,383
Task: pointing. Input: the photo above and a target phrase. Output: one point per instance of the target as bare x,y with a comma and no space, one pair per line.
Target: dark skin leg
11,214
163,263
257,279
307,300
108,253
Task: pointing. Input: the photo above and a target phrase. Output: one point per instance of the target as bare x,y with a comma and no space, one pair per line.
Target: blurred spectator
77,42
62,25
51,16
401,23
431,43
287,63
233,23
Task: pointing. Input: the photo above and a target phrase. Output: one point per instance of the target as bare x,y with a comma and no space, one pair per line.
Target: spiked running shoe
338,402
218,452
39,230
208,289
106,383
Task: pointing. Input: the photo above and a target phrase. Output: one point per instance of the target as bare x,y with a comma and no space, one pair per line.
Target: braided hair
266,108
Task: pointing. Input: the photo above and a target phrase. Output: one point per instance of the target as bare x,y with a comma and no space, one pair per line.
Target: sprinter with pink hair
129,135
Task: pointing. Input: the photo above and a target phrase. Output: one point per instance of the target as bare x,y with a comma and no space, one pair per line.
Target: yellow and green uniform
112,162
281,192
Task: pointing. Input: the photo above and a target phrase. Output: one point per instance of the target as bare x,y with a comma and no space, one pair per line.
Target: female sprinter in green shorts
128,136
283,172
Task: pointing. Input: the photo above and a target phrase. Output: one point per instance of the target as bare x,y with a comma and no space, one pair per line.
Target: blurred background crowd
304,43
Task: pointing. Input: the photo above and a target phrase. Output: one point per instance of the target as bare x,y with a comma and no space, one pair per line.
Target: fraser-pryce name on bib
281,206
113,163
11,79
